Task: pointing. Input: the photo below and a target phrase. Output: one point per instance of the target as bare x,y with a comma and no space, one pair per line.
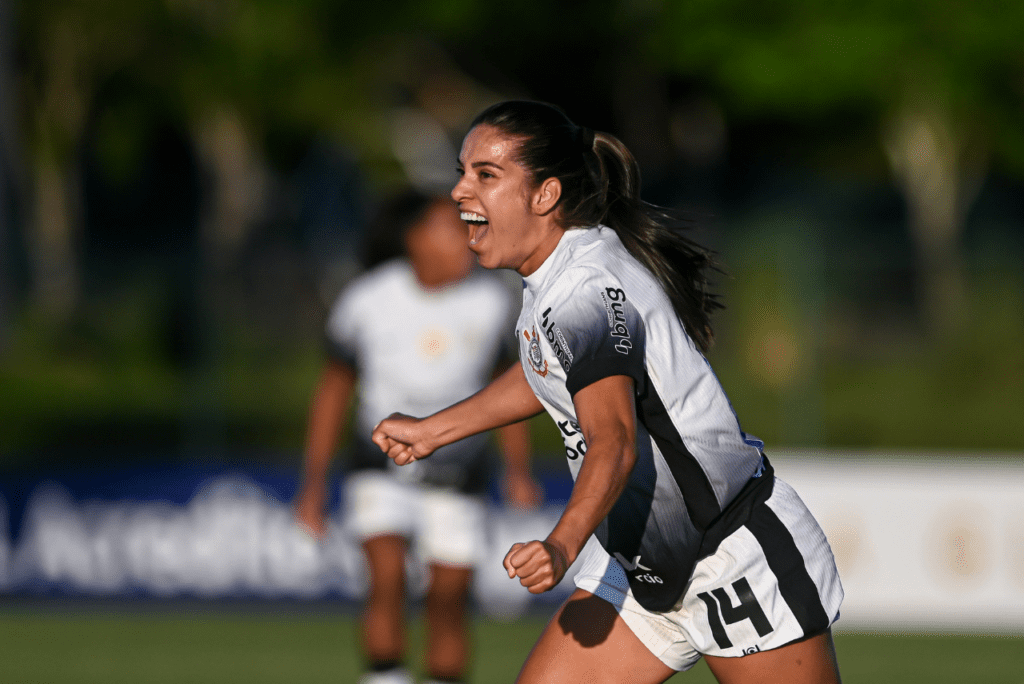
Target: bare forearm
507,400
606,413
601,480
607,418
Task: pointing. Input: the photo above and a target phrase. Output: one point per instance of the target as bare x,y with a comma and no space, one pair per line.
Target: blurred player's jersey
417,351
592,311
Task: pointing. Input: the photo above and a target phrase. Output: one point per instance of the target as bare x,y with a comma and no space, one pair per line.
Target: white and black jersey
592,311
417,351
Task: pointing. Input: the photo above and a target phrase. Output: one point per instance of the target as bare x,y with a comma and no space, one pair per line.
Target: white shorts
446,527
771,582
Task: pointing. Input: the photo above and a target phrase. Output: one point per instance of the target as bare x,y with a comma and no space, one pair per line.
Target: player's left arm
607,417
601,338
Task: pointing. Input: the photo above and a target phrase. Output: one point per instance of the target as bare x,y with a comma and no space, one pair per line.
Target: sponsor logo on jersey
568,428
557,340
534,356
636,570
629,567
614,299
575,444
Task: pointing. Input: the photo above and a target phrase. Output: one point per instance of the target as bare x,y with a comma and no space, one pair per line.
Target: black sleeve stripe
693,482
588,371
784,558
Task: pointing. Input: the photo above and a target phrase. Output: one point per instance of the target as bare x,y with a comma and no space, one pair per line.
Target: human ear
545,197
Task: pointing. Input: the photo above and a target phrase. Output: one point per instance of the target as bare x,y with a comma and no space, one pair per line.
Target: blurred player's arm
519,488
507,400
327,412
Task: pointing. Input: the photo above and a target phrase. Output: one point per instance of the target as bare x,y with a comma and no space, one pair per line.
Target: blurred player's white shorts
445,526
771,582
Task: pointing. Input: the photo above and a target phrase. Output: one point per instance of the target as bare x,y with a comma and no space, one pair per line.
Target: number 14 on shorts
720,607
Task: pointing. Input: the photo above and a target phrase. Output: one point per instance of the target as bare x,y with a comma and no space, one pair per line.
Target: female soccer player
421,332
701,549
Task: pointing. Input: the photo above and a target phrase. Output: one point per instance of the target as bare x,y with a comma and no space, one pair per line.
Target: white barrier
926,544
932,543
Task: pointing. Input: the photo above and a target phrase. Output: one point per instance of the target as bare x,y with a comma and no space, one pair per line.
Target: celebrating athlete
700,550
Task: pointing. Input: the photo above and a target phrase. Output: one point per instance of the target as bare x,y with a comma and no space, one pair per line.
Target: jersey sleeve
595,331
341,335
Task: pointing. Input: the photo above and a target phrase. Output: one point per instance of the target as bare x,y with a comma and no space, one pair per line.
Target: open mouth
478,226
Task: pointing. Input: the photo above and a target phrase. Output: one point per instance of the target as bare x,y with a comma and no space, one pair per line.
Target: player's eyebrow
478,164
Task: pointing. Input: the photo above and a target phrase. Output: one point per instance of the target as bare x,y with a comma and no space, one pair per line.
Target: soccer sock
386,672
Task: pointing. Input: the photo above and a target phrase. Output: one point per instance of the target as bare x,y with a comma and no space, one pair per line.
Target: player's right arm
327,413
508,399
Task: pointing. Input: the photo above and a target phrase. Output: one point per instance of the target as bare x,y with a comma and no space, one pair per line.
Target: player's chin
485,257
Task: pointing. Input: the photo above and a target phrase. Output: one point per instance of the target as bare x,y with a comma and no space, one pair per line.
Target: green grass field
252,647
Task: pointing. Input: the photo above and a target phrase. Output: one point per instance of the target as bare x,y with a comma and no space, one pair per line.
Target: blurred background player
419,330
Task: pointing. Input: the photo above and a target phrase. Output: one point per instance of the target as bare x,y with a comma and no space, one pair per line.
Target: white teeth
470,216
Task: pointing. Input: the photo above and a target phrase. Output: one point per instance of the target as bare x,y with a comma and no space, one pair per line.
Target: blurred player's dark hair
394,216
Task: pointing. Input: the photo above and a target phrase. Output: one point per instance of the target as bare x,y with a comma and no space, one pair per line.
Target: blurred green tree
928,95
938,85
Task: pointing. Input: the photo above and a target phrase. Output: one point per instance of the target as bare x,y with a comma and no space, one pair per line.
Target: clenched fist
539,565
403,438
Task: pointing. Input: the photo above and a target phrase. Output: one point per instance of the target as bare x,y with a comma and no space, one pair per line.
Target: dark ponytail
601,185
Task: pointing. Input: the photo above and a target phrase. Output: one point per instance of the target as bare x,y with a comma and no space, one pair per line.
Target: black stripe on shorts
784,559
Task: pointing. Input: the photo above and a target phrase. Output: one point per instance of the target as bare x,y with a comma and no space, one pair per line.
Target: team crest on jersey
534,355
432,342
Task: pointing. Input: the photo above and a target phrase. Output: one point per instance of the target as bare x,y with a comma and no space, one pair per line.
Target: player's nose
460,192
